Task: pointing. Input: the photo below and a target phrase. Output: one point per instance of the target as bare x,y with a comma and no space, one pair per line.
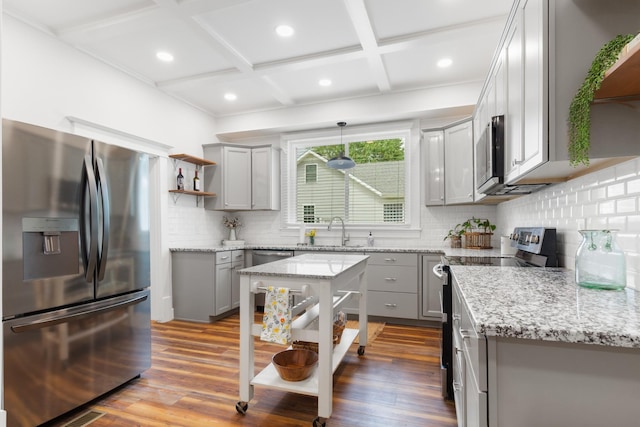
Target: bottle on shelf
370,239
196,182
180,180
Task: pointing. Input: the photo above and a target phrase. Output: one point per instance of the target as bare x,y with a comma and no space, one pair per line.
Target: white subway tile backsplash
615,190
605,199
633,186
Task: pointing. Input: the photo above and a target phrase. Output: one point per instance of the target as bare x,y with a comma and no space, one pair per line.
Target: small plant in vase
455,236
311,234
232,224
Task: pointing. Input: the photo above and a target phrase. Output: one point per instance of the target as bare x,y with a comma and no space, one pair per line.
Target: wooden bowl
296,364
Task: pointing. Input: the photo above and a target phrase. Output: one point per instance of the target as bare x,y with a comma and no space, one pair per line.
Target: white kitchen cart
326,281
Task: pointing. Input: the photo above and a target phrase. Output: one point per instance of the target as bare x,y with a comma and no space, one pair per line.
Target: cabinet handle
455,317
391,305
516,162
465,333
457,386
459,350
390,260
390,279
224,257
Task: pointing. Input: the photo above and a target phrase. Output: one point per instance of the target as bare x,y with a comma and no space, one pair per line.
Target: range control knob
535,239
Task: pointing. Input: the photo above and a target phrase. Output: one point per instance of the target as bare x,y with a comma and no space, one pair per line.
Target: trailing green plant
455,232
470,225
580,109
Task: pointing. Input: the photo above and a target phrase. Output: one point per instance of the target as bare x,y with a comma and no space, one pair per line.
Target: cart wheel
241,407
319,422
361,350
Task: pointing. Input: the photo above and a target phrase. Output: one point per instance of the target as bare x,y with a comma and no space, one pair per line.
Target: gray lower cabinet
205,284
227,280
392,283
392,280
431,288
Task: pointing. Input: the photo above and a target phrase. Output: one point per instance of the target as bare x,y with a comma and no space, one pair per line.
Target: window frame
408,130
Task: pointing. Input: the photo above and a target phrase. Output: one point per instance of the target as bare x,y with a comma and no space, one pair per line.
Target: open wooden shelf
192,159
621,80
194,193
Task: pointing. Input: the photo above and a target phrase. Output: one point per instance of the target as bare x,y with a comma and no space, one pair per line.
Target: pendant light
342,161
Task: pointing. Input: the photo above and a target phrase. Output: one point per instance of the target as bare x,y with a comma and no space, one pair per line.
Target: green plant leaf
580,108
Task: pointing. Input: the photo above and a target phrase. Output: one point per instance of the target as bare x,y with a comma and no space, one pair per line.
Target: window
309,214
311,173
371,193
394,212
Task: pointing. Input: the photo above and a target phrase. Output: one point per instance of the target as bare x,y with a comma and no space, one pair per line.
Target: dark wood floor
193,381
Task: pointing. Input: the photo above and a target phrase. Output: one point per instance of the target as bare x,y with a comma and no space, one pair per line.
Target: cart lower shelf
269,376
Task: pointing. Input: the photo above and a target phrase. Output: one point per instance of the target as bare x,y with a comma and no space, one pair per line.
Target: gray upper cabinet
458,164
448,164
265,178
544,55
433,143
244,178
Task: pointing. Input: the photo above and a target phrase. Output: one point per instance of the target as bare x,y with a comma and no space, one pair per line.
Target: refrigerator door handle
90,255
106,225
45,323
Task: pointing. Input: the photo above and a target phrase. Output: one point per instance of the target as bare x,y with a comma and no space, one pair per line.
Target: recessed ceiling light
164,56
445,62
230,96
324,82
284,30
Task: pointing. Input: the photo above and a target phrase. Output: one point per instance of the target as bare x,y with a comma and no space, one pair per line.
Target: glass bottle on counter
600,263
180,180
196,182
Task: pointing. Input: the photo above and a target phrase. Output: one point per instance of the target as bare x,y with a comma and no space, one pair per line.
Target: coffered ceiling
363,47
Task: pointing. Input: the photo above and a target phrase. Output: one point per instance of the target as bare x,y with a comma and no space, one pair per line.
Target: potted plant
455,235
478,232
580,108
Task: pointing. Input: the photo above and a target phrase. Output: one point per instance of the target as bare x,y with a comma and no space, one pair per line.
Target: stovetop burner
485,260
536,248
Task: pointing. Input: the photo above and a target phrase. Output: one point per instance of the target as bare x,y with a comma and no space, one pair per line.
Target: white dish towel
276,322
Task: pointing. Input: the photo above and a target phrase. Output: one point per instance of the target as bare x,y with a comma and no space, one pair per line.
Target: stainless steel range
536,247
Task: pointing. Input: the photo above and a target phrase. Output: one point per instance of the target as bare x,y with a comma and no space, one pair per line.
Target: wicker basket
477,240
308,345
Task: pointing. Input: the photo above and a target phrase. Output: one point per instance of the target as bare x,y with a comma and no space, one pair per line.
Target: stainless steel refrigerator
75,280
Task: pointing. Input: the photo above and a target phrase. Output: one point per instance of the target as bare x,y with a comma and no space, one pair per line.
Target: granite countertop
547,304
435,250
309,266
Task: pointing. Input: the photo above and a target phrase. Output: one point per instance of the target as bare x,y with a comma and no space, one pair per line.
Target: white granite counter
546,304
435,250
309,266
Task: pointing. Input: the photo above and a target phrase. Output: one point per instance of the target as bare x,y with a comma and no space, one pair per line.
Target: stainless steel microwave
490,156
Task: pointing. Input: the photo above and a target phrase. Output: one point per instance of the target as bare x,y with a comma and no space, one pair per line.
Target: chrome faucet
345,237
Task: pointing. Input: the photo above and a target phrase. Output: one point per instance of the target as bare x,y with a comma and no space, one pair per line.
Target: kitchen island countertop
546,304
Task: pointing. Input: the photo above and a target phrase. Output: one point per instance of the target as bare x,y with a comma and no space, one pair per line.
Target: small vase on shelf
312,240
232,234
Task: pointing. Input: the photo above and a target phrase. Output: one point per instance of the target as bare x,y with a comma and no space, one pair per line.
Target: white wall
607,199
45,81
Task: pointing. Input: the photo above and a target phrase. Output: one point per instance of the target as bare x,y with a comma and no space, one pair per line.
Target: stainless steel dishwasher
262,257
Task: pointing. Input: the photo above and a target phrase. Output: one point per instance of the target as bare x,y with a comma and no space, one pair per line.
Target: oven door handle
437,270
444,315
